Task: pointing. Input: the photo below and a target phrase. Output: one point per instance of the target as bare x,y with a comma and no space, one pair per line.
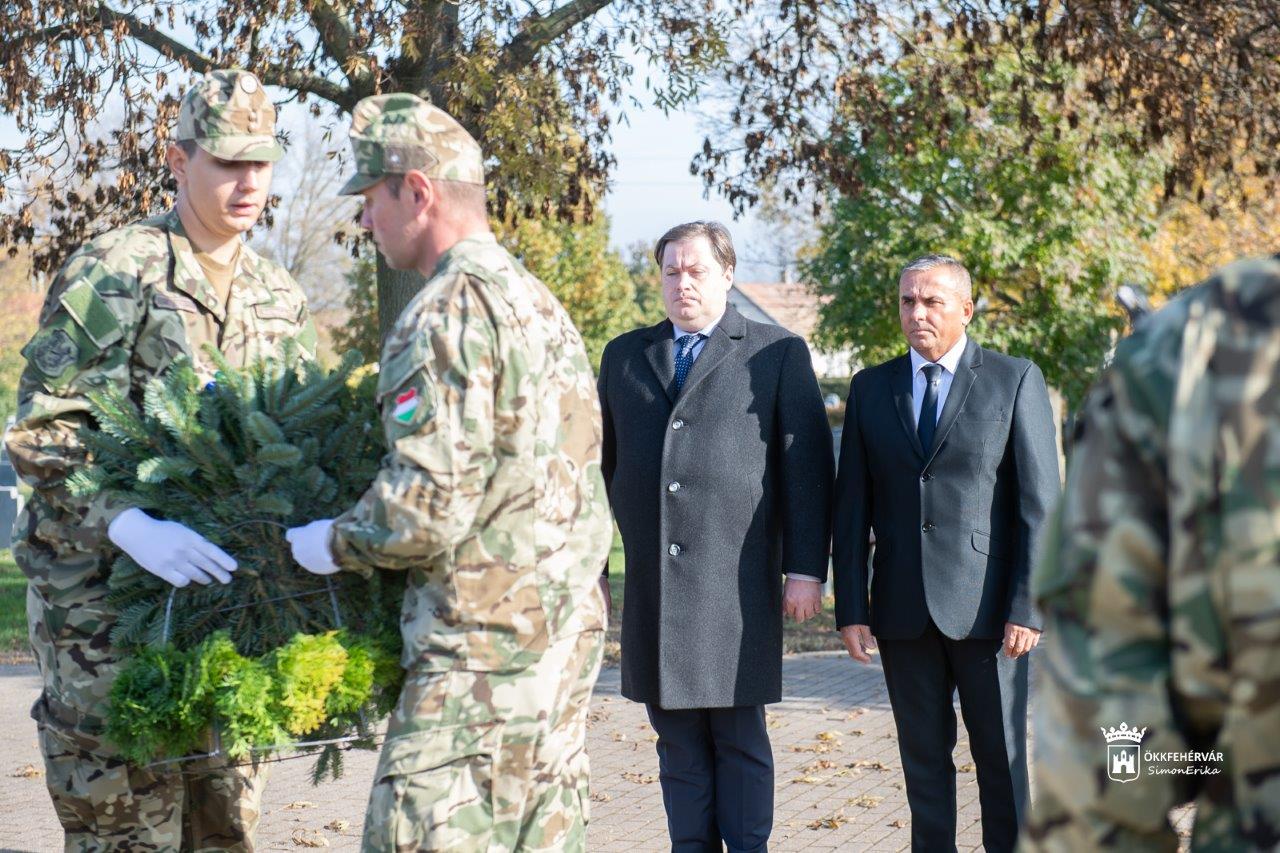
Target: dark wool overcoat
718,490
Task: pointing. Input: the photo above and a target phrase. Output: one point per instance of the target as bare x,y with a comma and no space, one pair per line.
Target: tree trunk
395,289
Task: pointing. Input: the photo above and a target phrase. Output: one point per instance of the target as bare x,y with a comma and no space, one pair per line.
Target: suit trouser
923,675
716,770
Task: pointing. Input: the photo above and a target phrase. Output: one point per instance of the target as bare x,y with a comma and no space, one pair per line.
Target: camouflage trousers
103,802
478,761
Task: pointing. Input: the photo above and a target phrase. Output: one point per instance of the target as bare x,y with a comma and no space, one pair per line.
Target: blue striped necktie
684,357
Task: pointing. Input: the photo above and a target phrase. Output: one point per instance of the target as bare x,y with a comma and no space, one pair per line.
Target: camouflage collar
189,277
458,250
249,281
1250,291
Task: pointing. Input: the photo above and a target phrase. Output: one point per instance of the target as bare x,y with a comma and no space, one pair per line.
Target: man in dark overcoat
718,459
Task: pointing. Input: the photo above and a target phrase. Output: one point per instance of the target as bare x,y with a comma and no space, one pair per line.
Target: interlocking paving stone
839,777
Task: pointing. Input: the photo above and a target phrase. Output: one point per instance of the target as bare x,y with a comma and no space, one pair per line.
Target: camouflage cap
229,115
392,134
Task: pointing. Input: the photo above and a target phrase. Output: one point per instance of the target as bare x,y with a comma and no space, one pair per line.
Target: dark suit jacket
956,525
748,443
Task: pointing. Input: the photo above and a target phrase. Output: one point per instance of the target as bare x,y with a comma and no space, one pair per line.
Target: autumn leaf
309,838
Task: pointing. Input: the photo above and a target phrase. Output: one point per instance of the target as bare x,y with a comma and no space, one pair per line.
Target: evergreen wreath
278,653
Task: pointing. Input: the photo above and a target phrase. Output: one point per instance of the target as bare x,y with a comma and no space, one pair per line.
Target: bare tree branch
538,31
335,36
197,62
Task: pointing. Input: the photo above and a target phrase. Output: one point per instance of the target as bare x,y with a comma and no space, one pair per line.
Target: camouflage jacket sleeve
83,344
1103,585
437,383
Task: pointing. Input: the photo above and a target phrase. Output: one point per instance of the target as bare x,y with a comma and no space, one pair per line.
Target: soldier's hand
1018,639
858,641
310,545
171,551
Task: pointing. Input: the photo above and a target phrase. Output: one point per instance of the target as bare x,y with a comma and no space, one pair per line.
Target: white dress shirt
949,362
677,333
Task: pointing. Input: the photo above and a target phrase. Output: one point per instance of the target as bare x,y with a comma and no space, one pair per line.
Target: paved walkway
839,779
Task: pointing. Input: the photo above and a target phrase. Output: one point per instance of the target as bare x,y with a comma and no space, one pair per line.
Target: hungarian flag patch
406,405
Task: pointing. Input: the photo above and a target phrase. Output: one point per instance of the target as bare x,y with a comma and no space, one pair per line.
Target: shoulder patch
406,406
90,311
52,351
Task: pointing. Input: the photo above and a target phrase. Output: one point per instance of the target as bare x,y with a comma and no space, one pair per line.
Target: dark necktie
684,357
928,423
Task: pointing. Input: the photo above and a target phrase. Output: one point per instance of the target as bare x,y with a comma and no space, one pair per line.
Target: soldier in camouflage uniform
1161,584
491,498
121,310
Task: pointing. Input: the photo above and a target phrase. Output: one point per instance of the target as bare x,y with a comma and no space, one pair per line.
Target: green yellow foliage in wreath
278,655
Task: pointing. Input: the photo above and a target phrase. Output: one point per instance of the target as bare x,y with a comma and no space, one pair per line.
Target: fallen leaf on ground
309,838
27,771
301,804
966,768
815,747
639,778
855,713
869,764
806,780
829,737
820,764
600,797
857,732
338,825
834,821
866,801
898,824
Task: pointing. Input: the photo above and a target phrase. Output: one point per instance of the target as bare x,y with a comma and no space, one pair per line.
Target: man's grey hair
964,282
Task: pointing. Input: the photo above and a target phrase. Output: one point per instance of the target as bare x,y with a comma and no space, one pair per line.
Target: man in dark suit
718,459
948,455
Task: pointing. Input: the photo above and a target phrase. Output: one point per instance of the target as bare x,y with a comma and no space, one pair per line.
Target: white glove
311,547
171,551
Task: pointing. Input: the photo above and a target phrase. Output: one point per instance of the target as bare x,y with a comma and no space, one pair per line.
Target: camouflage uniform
119,312
1161,583
493,500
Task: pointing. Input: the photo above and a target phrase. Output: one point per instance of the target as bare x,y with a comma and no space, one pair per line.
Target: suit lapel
659,352
723,340
901,377
960,387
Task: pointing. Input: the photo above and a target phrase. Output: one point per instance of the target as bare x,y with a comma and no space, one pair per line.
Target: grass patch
13,611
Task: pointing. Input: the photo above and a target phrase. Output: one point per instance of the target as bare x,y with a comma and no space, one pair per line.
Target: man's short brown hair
717,236
456,195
